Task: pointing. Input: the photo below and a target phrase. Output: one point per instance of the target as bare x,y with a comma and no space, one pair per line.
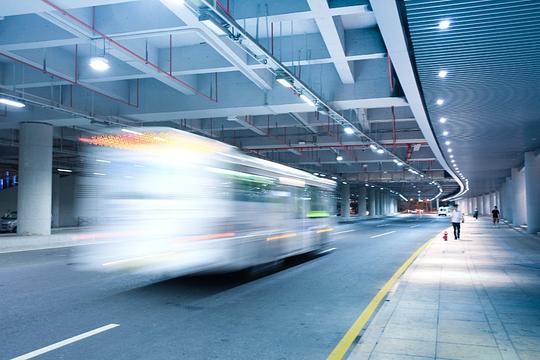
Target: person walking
495,214
457,218
475,214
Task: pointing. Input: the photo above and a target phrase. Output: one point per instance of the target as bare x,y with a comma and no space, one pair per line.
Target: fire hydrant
445,236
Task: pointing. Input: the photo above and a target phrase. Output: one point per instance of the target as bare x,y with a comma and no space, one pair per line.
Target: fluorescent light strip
13,103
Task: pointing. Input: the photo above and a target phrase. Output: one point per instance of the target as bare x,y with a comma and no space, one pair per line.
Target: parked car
8,222
443,211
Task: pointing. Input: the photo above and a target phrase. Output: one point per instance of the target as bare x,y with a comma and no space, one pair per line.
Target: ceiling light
447,142
103,161
322,175
349,130
65,170
316,174
442,120
284,82
380,151
13,103
334,178
444,24
449,150
453,160
344,183
372,147
451,156
445,133
443,73
99,174
99,63
440,101
339,158
307,100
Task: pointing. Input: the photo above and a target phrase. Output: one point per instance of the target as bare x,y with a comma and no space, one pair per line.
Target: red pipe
76,83
125,49
315,147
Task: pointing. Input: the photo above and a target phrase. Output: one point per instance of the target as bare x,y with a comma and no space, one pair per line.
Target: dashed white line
345,231
413,226
386,233
381,225
65,342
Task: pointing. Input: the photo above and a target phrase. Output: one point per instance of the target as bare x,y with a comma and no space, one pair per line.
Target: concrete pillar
487,204
35,179
532,185
372,202
345,193
519,190
362,201
480,199
509,198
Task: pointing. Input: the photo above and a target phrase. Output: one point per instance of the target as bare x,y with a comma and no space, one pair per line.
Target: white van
443,211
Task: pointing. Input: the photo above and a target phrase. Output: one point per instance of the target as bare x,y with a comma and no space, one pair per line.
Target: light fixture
444,24
372,147
13,103
349,130
453,160
449,150
380,151
451,156
103,161
339,158
443,73
99,174
322,175
316,174
131,132
65,170
99,63
440,102
442,120
307,100
447,142
445,133
284,82
344,183
334,178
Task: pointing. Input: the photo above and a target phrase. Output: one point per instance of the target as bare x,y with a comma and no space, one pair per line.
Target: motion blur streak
167,201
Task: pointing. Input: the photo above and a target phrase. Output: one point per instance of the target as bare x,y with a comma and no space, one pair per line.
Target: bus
169,201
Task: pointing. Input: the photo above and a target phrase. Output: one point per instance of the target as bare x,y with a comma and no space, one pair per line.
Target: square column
519,191
372,202
34,196
345,200
362,201
532,185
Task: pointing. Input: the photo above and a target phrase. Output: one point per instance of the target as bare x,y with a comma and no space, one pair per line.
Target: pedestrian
475,214
457,218
495,214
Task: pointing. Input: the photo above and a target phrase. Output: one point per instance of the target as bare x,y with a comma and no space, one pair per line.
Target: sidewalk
61,237
477,298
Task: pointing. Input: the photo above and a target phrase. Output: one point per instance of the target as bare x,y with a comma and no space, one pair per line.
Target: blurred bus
164,200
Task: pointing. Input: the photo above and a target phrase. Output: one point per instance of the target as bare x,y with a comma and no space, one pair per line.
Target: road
298,311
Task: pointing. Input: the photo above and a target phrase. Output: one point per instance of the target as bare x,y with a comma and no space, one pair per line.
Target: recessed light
453,160
344,183
442,120
99,63
307,100
443,73
349,130
444,24
334,178
445,133
13,103
372,147
316,174
339,158
447,142
440,102
65,170
380,151
451,156
449,150
284,82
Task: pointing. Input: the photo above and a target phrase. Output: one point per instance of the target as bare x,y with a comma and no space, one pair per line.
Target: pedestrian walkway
475,298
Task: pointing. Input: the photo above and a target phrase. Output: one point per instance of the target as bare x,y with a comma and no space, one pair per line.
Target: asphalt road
297,311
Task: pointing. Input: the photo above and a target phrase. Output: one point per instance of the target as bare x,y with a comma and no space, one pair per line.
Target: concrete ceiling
170,69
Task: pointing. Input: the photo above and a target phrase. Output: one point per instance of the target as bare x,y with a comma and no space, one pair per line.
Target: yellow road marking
346,341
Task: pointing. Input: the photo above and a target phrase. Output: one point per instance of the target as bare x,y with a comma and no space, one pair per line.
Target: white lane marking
327,251
386,233
59,344
381,225
415,226
345,231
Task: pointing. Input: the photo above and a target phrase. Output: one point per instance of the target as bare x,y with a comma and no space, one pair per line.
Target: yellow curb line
346,341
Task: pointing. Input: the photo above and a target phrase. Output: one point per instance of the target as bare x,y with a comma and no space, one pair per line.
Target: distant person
475,214
457,218
495,215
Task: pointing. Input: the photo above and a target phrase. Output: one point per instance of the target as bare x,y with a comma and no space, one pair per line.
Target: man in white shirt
457,218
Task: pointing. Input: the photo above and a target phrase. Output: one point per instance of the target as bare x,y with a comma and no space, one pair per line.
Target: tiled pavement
475,298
